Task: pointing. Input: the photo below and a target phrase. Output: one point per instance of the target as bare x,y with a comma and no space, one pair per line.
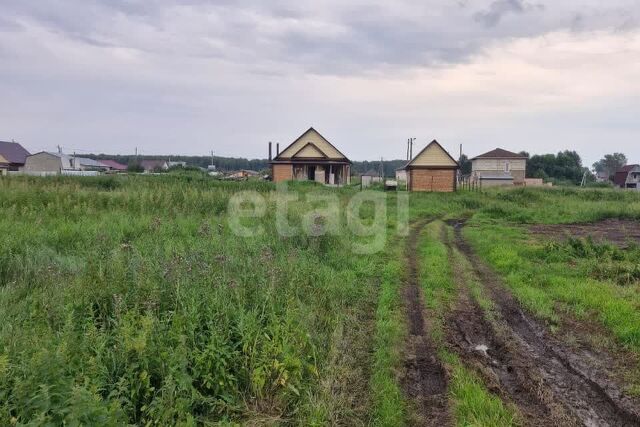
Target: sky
191,76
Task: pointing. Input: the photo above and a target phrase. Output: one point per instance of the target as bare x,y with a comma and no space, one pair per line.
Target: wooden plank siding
433,180
282,173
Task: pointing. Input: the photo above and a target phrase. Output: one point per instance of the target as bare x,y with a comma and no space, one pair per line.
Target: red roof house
113,165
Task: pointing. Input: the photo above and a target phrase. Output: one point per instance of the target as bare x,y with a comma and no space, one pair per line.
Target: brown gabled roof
620,178
499,153
13,152
278,157
114,165
426,148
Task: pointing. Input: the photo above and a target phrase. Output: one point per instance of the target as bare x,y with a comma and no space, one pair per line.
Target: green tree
610,163
564,167
465,165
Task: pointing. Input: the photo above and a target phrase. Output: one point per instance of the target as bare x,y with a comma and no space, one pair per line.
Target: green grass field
132,300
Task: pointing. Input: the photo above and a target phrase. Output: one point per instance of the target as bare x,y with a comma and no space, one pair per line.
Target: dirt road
546,380
425,379
550,382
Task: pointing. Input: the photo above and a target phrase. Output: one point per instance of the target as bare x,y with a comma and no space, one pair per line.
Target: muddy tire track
491,351
588,395
425,379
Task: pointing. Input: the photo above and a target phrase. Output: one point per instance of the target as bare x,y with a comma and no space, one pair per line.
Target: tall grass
129,300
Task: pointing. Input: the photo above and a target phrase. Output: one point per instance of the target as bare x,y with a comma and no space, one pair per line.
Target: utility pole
211,157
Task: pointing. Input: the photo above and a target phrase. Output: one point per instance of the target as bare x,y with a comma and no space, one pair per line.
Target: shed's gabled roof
499,153
13,152
433,155
311,145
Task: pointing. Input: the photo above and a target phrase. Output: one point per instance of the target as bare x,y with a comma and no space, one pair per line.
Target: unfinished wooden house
433,169
312,157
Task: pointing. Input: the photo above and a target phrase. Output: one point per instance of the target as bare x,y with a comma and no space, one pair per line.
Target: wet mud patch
505,366
620,232
584,390
425,378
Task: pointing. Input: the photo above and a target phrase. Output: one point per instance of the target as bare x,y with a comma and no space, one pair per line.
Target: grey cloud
499,8
285,35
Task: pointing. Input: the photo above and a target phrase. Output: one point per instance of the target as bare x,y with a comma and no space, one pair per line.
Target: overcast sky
189,76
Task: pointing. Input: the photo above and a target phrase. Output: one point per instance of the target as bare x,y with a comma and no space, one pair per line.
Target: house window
507,167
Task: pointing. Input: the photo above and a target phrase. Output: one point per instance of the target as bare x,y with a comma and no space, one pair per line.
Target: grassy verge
472,402
591,281
390,405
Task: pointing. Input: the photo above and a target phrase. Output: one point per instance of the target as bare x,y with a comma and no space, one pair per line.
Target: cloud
108,75
499,8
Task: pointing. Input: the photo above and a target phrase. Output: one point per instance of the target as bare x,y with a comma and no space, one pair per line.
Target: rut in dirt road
504,367
590,398
425,380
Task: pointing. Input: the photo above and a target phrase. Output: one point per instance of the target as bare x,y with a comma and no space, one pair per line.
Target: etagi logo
364,215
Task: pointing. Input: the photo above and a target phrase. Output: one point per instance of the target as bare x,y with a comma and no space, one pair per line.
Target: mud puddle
425,380
586,395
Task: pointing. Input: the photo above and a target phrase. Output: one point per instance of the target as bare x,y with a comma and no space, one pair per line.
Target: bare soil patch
425,379
584,389
620,232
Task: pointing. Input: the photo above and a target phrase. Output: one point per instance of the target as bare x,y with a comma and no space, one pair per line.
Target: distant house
177,164
628,177
433,170
312,157
370,177
602,176
154,165
4,165
112,165
85,164
47,163
499,168
243,173
12,156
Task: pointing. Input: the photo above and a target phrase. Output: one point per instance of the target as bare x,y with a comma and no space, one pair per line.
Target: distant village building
112,165
12,157
312,157
177,164
499,168
47,163
628,177
85,164
243,174
370,177
433,170
4,165
602,176
401,175
154,165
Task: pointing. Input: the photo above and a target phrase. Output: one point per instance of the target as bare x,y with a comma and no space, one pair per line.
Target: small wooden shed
432,170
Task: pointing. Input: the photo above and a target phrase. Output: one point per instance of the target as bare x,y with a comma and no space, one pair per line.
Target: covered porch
323,172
